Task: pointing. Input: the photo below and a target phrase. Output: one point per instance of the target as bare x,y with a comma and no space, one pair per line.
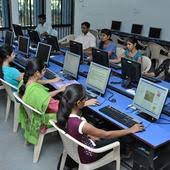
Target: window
4,14
29,11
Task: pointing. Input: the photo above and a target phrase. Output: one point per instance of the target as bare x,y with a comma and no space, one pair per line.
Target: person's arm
117,59
91,102
49,81
55,92
20,77
89,129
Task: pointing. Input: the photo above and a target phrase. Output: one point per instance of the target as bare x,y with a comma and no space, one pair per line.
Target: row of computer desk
153,143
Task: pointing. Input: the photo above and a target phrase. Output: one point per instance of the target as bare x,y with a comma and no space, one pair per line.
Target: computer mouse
113,100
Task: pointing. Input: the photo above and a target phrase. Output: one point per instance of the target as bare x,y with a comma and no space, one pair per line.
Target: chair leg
16,110
118,164
7,108
63,160
37,148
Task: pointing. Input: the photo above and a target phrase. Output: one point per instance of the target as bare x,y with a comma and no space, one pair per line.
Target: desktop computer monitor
34,36
100,57
150,98
9,38
17,30
23,45
71,64
98,77
116,25
155,32
136,29
43,52
131,71
77,48
53,41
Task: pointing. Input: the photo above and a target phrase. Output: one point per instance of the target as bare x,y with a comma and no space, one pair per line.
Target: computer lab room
84,85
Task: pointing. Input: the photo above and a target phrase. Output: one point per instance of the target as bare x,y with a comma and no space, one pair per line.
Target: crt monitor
71,64
116,25
150,98
34,36
131,71
136,29
43,52
100,57
154,32
53,41
23,45
17,30
77,48
98,77
8,38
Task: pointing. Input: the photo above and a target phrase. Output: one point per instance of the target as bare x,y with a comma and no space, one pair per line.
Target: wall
100,13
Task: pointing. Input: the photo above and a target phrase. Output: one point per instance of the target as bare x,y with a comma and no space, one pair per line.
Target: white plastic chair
119,51
146,64
66,39
118,41
10,98
30,110
71,149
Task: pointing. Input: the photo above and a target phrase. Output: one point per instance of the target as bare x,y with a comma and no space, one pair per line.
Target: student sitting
107,44
8,73
69,119
37,96
131,52
162,71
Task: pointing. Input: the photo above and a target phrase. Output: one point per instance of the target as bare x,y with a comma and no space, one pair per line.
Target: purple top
74,128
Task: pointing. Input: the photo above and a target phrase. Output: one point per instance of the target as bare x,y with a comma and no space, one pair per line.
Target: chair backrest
95,33
29,109
154,50
67,38
119,51
146,64
9,89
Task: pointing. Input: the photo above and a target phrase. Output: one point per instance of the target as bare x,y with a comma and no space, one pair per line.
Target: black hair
72,94
134,41
32,67
87,24
5,51
108,33
43,16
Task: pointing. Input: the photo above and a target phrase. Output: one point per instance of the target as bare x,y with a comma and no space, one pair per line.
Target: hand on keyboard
136,128
92,102
55,80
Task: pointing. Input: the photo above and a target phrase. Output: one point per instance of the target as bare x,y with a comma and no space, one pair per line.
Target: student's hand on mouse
136,128
91,102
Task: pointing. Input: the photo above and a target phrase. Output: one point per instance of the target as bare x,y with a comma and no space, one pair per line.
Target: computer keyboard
119,116
21,60
115,66
49,74
90,95
152,79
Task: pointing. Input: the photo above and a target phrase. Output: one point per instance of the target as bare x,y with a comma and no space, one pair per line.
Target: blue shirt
111,47
10,75
135,57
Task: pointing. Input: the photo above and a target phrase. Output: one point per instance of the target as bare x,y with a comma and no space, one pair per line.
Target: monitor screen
136,29
155,32
23,45
17,30
100,57
53,41
34,36
150,98
131,70
9,38
71,64
98,77
77,48
116,25
43,52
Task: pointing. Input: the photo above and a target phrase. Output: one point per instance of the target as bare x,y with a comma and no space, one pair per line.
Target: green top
37,96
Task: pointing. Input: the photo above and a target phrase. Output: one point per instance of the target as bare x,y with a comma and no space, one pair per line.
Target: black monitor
77,48
154,32
100,57
131,72
23,45
53,41
34,36
116,25
9,38
17,30
43,52
136,29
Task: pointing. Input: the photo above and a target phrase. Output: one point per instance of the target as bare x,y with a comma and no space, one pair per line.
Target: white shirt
87,40
44,28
